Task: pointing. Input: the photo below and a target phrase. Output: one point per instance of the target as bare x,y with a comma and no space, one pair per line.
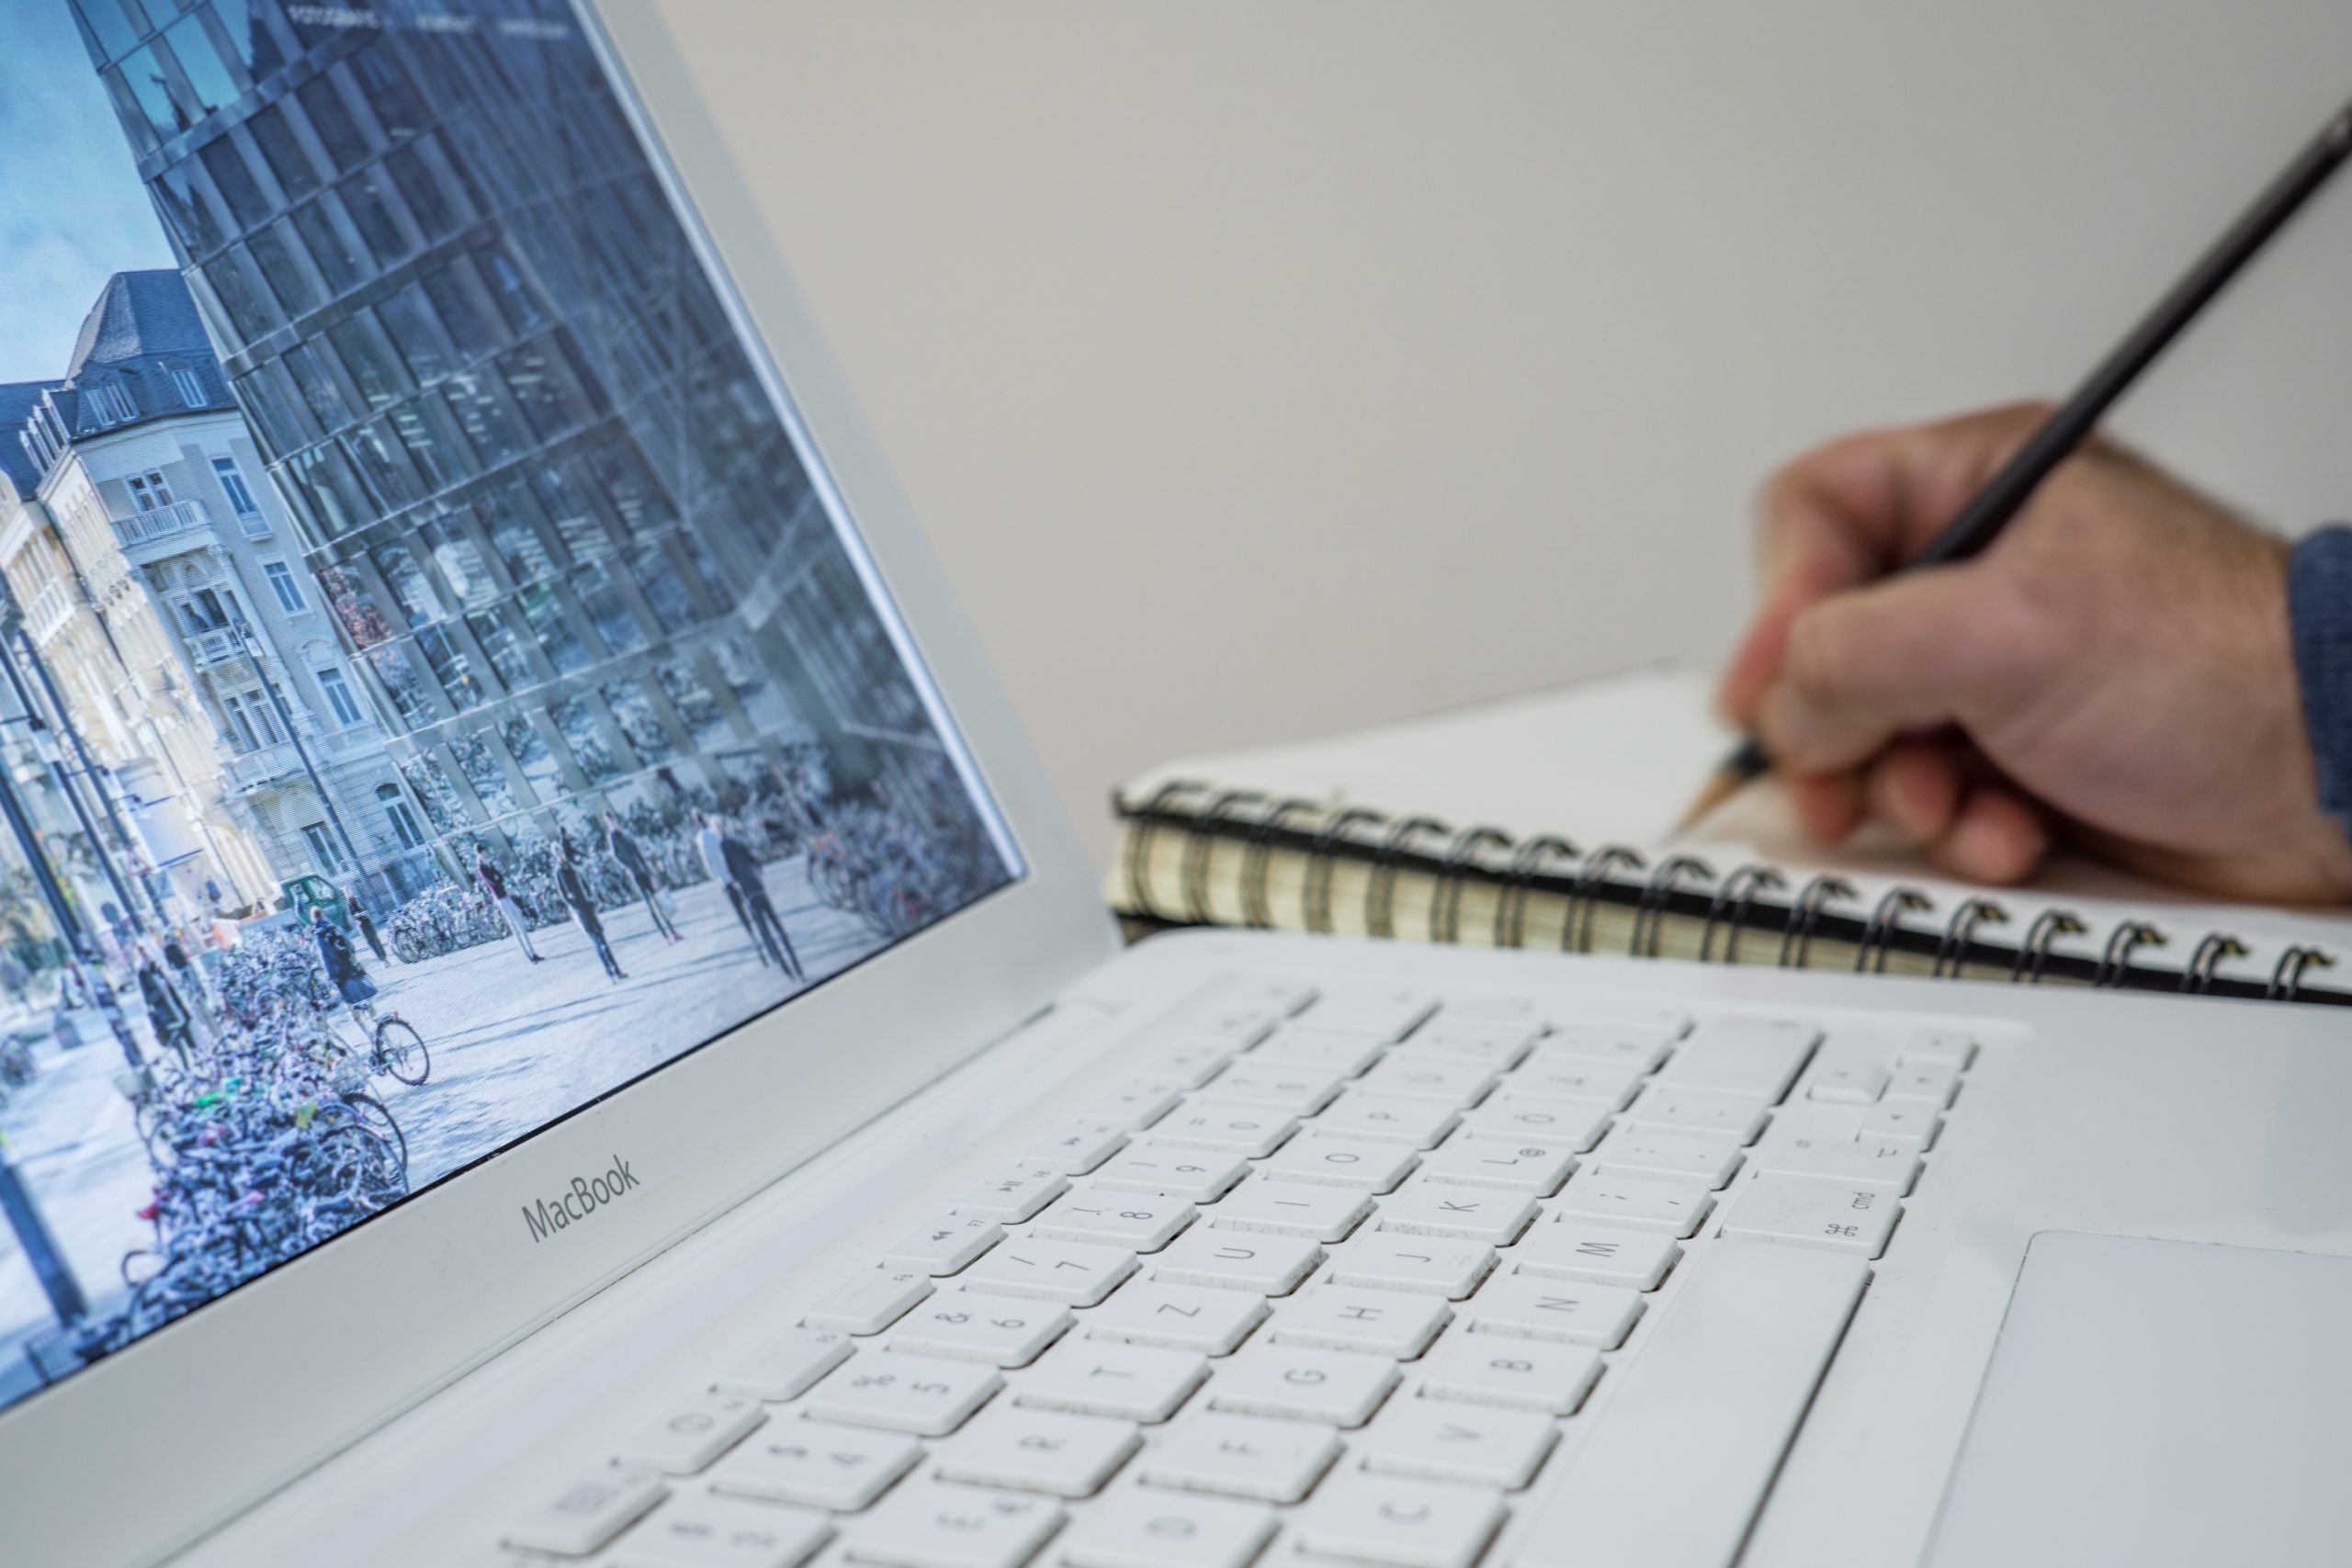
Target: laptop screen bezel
146,1448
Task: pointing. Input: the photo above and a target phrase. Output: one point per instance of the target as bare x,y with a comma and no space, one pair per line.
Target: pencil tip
1721,786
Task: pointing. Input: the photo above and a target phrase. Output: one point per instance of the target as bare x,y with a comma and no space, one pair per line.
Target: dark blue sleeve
2319,607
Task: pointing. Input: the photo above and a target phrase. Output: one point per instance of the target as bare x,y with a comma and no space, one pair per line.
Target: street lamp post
89,770
64,778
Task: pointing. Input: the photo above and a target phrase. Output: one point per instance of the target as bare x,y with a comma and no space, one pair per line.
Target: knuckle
1813,660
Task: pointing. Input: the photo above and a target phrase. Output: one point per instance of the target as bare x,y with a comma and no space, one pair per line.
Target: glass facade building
563,532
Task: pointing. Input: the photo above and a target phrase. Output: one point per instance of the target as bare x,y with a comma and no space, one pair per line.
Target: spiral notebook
1543,821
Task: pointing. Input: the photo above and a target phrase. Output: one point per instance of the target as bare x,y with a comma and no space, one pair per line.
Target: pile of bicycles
870,863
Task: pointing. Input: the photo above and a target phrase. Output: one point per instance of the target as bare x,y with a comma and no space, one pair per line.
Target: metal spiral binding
2216,947
1445,900
2115,963
1255,858
2047,928
1797,942
1884,925
2287,978
1201,844
1315,898
1951,952
1649,915
1510,905
1736,894
1576,930
1380,893
1145,825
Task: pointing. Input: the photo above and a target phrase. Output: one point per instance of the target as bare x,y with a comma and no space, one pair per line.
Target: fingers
1983,832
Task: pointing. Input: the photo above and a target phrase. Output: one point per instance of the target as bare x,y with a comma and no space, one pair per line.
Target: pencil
2005,493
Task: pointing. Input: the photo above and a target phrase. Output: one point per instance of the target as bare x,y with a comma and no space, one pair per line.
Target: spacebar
1676,1466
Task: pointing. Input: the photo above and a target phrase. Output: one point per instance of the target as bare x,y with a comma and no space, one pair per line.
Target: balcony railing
207,648
262,766
146,527
51,609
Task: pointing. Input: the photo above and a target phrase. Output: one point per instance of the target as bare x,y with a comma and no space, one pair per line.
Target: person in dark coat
169,1015
573,889
629,855
360,918
743,875
343,972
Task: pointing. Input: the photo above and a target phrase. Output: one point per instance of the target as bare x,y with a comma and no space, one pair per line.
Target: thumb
1912,653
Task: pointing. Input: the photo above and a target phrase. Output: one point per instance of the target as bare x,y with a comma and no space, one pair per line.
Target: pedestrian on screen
573,889
493,885
630,857
166,1011
366,926
343,972
711,846
751,885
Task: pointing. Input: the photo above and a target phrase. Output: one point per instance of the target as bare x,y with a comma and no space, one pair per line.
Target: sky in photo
73,211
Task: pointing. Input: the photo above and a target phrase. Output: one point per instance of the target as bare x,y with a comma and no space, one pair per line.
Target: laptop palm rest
2160,1402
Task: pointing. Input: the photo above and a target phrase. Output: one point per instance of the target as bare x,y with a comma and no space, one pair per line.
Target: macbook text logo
587,1194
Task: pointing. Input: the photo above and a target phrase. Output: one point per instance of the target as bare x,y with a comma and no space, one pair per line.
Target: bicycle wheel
400,1051
372,1116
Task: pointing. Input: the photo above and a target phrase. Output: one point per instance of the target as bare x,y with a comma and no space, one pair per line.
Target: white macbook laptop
757,1150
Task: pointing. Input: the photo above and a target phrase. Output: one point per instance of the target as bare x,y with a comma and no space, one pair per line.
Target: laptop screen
439,683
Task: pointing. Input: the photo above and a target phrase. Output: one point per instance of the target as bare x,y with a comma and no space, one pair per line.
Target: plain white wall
1262,368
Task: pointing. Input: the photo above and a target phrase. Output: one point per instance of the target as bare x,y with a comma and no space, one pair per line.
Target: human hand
2115,670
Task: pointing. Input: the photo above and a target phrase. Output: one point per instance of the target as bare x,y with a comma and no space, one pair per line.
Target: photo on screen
437,684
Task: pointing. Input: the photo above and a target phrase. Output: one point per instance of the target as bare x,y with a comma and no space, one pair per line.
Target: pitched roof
17,401
140,314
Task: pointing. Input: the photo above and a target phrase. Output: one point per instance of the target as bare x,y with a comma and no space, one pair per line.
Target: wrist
2319,615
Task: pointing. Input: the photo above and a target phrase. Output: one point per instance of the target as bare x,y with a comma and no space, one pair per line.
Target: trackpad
2160,1402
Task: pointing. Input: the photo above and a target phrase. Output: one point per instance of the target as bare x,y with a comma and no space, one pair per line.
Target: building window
397,812
151,491
233,484
282,584
339,697
241,729
190,386
322,848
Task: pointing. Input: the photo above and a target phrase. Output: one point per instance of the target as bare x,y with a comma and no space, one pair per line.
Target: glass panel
543,389
411,590
113,28
451,667
575,523
482,772
458,561
531,754
714,583
387,91
368,360
381,463
517,543
252,314
577,722
503,649
186,212
364,198
240,192
437,460
608,611
762,698
427,202
658,579
543,613
415,332
249,36
434,792
634,712
464,322
473,400
266,392
282,151
143,75
160,13
331,117
706,725
401,683
323,476
284,274
339,260
317,385
353,609
517,301
633,491
200,62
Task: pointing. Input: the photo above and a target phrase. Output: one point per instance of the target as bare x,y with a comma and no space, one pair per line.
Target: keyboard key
1570,1077
1577,1249
936,1524
1356,1163
1014,1193
683,1440
1303,1383
1388,1118
783,1365
589,1512
1565,1310
1805,1210
1134,1105
870,1301
1281,995
1234,1126
1406,1524
1710,1157
1759,1056
1432,1265
1039,1450
1639,1047
1373,1322
1494,1215
1096,1377
1498,1042
1267,1265
1388,1012
1717,1392
1289,1208
1535,1167
1197,1176
1075,1272
1742,1116
1277,1086
1936,1047
968,1325
1528,1374
1890,1167
1510,1113
1243,1455
945,1246
1342,1053
1448,1440
1901,1121
1187,1061
928,1395
1139,1222
1199,1319
1141,1528
1855,1083
1241,1024
820,1463
1077,1146
1449,1080
1637,1202
1932,1085
721,1533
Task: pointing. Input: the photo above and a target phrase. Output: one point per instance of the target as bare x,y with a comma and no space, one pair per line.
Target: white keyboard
1330,1277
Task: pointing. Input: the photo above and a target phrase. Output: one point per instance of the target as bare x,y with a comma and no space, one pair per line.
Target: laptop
775,1159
